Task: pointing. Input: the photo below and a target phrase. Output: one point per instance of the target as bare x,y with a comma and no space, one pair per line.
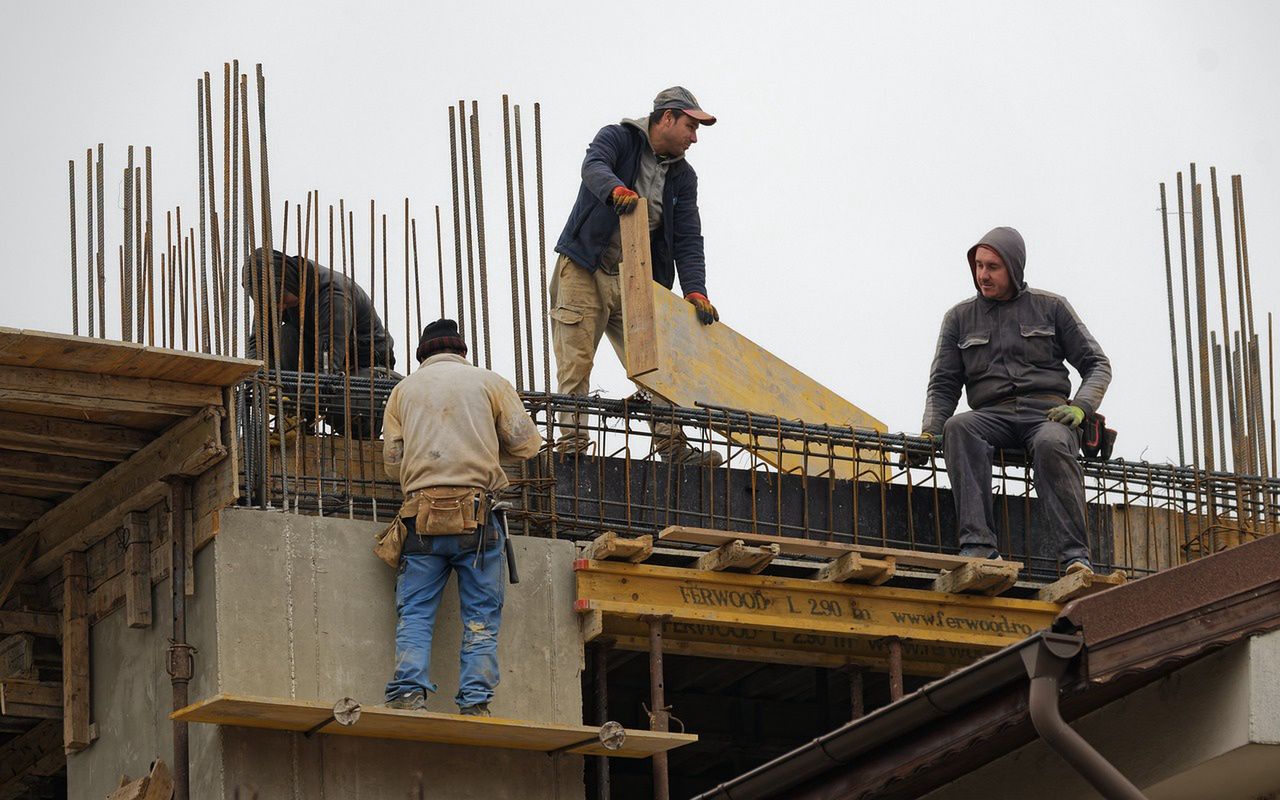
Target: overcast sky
861,149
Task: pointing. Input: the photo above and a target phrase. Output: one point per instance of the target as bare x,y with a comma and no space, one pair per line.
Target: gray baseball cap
680,98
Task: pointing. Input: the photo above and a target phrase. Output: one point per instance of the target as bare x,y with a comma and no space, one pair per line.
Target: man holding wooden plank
637,158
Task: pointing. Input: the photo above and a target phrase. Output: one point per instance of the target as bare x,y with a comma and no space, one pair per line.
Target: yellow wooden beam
380,722
793,605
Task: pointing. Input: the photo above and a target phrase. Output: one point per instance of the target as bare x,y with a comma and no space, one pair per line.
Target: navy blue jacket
613,159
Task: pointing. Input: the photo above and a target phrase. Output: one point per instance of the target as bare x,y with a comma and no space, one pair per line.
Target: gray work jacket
1001,350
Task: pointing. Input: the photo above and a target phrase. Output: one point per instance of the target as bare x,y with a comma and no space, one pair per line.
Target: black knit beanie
441,336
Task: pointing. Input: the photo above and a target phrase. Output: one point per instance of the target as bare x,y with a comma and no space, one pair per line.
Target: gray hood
1013,251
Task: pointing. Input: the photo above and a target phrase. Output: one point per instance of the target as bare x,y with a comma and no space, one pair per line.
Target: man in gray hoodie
1006,348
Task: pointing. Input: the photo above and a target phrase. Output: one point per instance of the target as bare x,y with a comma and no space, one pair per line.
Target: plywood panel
379,722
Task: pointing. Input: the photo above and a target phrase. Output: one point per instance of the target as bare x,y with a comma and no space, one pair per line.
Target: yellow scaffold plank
799,606
685,362
379,722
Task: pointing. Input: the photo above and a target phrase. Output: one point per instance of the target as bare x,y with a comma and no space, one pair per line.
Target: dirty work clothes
419,586
585,306
968,444
451,424
614,159
997,350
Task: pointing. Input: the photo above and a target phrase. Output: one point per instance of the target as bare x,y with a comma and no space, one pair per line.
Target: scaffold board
379,722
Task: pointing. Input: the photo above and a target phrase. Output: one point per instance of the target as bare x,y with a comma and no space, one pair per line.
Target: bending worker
447,428
641,157
1006,347
317,303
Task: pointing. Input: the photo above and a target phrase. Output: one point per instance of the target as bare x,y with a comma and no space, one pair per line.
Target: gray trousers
969,441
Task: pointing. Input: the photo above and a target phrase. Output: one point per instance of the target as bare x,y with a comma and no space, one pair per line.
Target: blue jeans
481,585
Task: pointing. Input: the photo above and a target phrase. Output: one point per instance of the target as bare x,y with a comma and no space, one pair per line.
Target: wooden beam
1078,584
28,698
39,623
18,656
187,449
978,577
34,754
75,653
14,557
794,545
736,555
83,389
854,566
157,785
69,437
137,562
610,545
50,469
639,332
22,508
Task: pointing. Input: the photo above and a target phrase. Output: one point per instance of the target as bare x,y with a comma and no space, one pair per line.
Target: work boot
573,443
980,551
409,701
478,710
1079,565
677,450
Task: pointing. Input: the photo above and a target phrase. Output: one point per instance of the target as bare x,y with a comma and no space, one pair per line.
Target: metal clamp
346,712
181,662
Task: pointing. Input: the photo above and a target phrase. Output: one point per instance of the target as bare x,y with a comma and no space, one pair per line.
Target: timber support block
610,545
737,555
28,698
137,561
76,732
156,785
1078,584
978,577
853,566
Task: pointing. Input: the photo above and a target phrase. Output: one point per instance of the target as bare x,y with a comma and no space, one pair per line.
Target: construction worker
446,430
637,158
315,300
1006,348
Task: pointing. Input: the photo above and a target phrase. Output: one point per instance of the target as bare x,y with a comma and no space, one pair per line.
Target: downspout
1046,663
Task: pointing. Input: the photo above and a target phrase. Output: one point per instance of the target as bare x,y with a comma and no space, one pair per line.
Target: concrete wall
1207,730
294,606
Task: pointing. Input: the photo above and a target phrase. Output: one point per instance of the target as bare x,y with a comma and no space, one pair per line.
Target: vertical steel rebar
102,250
542,254
511,242
204,268
236,212
524,249
75,275
1271,379
417,291
408,360
1173,333
1218,390
439,266
228,211
88,241
270,266
1186,309
1257,419
139,275
126,282
457,227
386,289
1202,322
149,244
480,248
466,208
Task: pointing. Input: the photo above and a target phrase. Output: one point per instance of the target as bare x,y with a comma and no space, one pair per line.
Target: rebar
75,275
149,244
204,269
457,228
524,249
1256,419
229,211
542,251
88,242
1202,321
139,276
511,242
1222,298
417,291
1218,390
439,266
126,268
102,250
234,249
1271,379
1186,309
1173,334
480,248
466,206
408,361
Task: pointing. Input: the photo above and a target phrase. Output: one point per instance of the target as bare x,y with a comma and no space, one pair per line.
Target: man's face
671,136
994,280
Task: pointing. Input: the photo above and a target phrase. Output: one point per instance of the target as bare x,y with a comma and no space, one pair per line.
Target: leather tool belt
436,511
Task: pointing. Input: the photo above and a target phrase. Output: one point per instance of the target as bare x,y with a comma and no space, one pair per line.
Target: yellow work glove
1071,416
707,313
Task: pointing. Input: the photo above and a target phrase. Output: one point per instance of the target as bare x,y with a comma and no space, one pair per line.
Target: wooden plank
18,656
796,605
791,545
980,577
854,566
43,434
736,555
39,623
50,469
610,545
14,557
28,698
639,335
1078,584
33,754
137,559
75,653
67,387
188,449
23,508
379,722
156,785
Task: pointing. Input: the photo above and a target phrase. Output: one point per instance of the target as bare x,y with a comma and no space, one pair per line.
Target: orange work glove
624,200
707,313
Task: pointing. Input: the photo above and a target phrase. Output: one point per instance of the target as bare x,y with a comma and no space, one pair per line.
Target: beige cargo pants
585,306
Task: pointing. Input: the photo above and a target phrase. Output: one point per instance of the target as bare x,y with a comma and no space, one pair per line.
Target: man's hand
624,200
707,313
1071,416
918,455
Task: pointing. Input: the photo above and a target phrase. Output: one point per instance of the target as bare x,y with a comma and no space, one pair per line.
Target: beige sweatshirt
449,423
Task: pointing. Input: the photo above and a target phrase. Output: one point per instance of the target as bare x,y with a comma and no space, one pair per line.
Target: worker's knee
960,425
1053,440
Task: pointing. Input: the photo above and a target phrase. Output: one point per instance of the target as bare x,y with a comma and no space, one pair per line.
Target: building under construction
190,608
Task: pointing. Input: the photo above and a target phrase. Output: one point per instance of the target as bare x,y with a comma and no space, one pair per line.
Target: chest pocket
1038,343
975,351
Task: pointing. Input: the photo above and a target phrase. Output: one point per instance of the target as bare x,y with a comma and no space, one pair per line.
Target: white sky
861,149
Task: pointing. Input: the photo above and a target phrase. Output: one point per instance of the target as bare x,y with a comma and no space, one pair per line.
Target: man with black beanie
447,429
